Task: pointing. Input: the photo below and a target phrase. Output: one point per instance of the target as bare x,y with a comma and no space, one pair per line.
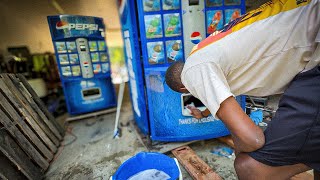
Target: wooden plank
195,166
37,109
93,114
23,142
8,171
6,106
15,154
35,106
17,101
40,104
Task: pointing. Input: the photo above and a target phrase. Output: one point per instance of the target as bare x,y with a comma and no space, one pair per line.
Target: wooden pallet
11,152
30,125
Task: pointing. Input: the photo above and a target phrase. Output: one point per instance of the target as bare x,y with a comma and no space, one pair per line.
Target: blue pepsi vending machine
157,33
83,62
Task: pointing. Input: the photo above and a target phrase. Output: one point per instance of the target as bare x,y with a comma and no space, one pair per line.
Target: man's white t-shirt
259,54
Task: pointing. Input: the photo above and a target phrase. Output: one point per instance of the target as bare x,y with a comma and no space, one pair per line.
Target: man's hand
195,112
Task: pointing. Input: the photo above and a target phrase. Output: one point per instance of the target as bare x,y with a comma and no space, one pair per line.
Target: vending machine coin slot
92,93
187,100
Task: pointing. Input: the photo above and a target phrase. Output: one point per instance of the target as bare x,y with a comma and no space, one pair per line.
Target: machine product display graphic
156,34
83,62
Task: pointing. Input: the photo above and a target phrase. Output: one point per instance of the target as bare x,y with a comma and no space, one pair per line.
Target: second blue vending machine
83,62
157,33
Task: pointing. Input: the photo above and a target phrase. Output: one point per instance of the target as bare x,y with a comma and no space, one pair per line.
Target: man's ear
183,90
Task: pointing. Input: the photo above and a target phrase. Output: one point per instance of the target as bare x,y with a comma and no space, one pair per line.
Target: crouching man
271,50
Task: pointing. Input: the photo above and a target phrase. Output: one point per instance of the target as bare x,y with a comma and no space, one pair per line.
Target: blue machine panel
83,62
222,12
160,32
68,26
169,118
134,65
89,95
167,30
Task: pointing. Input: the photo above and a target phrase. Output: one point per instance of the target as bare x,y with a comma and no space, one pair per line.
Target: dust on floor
90,152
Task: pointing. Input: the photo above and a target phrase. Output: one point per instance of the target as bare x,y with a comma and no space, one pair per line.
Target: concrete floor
90,152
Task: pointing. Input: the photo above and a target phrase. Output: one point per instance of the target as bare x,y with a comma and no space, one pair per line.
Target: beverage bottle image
156,52
174,50
153,27
212,3
168,2
232,2
172,25
214,22
153,5
149,3
235,15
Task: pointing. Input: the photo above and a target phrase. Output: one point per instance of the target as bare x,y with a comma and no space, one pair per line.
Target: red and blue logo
62,25
195,37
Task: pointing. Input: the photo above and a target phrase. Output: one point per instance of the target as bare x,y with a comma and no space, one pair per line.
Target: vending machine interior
83,62
156,34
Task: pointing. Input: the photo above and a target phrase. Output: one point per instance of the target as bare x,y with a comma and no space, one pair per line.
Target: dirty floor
90,152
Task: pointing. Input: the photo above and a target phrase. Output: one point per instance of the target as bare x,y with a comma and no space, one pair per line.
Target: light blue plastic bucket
147,161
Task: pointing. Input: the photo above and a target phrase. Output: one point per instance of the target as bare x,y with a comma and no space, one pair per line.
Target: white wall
24,22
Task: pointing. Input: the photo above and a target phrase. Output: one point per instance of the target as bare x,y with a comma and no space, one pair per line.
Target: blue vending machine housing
157,33
83,62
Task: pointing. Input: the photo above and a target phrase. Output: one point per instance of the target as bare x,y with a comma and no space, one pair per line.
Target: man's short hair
173,76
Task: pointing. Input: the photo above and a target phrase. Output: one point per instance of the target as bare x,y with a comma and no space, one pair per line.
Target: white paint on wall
25,22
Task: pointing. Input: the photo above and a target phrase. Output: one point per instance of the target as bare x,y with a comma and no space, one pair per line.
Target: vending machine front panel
164,32
83,62
134,65
170,119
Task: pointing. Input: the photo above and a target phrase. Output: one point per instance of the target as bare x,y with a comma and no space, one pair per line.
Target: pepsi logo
76,26
62,25
195,37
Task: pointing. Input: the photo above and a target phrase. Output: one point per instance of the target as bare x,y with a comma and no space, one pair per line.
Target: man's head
173,78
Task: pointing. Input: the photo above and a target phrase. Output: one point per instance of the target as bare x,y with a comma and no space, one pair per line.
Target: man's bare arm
246,135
